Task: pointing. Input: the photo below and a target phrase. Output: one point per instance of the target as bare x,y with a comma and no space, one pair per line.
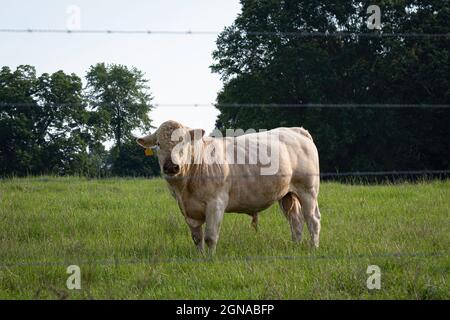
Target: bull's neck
177,182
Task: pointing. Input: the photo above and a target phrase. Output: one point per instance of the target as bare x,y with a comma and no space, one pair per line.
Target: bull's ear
141,142
146,141
196,134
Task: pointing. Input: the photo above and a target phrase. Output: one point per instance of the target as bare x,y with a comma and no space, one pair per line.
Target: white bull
206,178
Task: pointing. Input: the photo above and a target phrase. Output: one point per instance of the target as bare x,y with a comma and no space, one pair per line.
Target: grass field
130,241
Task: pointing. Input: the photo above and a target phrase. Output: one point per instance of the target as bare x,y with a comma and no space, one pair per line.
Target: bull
206,180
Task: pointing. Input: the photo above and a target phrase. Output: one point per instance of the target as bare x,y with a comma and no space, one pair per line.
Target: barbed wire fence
156,260
252,105
297,34
302,34
313,106
322,175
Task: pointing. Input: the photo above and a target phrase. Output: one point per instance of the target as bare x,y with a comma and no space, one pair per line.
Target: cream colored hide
205,191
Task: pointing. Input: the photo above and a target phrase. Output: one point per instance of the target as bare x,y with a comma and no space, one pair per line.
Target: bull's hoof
201,247
314,245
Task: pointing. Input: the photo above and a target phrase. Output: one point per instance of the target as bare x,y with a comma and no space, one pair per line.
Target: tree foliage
49,124
262,60
120,95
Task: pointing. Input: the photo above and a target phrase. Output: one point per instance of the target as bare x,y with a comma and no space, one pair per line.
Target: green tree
44,125
119,99
61,123
120,96
131,161
47,124
262,60
18,110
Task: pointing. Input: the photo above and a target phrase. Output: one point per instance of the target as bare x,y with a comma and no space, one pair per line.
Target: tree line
263,60
53,124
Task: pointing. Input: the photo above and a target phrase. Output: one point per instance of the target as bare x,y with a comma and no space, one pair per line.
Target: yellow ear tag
148,152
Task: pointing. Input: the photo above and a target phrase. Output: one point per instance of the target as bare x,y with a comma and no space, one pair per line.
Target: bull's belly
248,208
244,204
251,198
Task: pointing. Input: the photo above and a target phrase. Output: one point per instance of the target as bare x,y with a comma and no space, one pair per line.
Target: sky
177,66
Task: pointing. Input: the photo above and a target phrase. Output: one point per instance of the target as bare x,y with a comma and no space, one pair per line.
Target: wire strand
322,175
155,260
301,34
256,105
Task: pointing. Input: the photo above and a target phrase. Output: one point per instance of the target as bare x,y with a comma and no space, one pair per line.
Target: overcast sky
176,65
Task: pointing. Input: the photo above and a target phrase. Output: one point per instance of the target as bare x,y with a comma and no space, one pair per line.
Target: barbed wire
322,175
306,105
382,173
356,174
303,34
215,259
251,105
151,260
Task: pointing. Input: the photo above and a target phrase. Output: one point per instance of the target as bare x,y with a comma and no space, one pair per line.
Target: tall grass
130,240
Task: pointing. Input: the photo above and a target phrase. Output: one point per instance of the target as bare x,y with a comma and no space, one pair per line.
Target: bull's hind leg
310,209
290,206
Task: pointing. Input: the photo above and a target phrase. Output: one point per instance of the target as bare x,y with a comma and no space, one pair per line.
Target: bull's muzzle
170,168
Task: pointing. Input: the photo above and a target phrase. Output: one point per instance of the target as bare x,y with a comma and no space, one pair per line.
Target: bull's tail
255,221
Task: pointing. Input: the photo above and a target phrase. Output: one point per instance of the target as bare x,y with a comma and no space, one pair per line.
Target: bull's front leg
196,233
214,215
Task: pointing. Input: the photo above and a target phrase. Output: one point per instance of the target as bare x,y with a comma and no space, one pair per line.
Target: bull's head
175,144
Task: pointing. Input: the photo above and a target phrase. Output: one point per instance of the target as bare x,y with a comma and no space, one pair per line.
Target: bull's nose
171,168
